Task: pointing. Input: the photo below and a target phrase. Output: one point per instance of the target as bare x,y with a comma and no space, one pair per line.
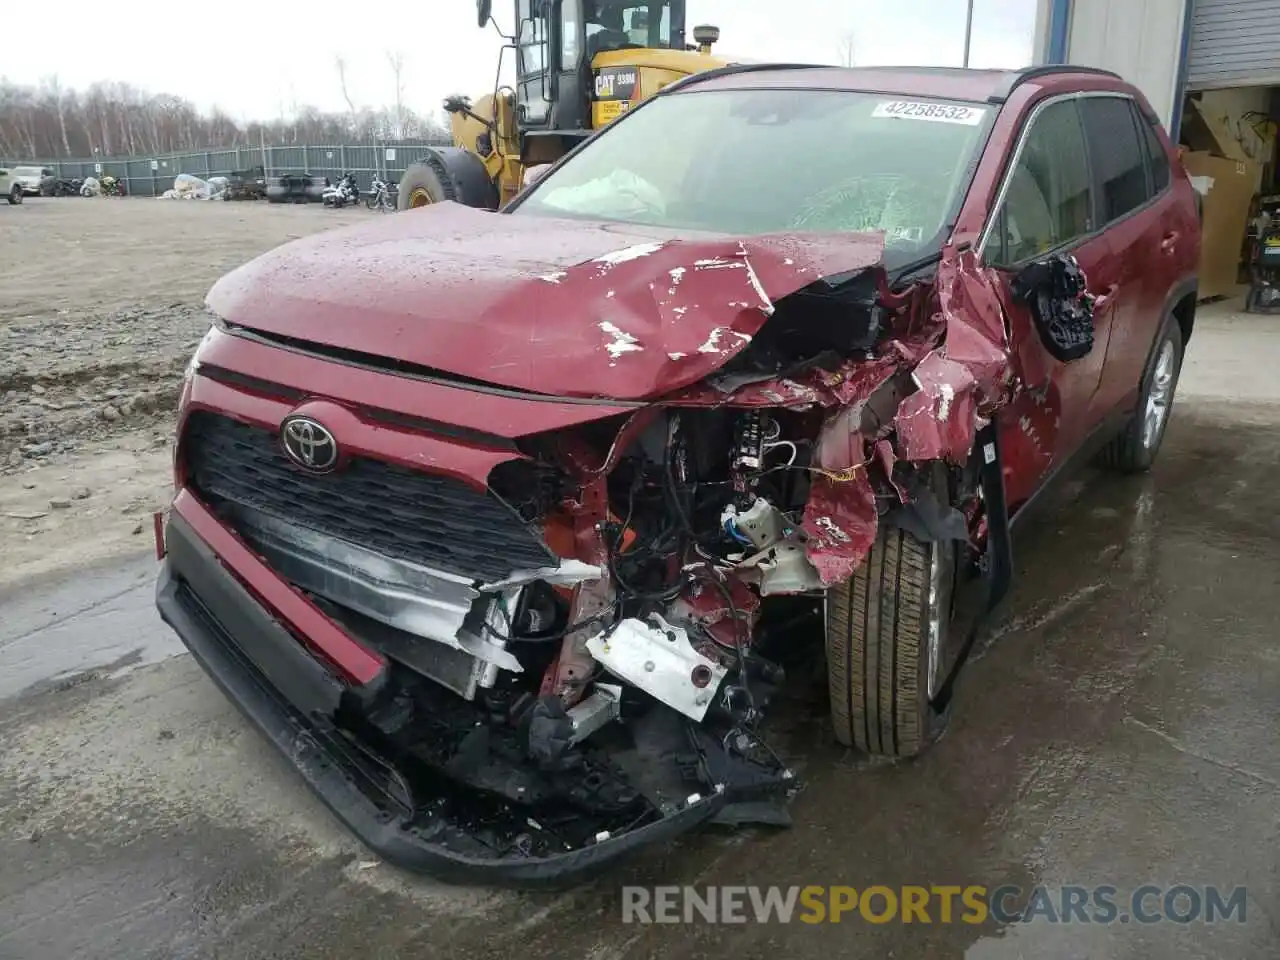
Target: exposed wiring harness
774,444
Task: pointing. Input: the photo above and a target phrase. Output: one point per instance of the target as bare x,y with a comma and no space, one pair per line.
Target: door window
1047,203
1118,158
532,66
621,24
1156,156
570,22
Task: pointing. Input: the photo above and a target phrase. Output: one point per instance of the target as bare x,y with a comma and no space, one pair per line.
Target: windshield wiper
914,266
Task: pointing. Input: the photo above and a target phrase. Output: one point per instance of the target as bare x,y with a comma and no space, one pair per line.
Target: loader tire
878,636
447,174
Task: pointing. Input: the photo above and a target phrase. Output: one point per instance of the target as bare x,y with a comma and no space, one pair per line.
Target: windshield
773,161
622,24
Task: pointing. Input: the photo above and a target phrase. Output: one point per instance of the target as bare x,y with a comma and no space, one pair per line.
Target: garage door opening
1228,141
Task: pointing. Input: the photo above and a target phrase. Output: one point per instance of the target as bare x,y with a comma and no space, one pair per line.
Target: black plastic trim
202,615
997,571
272,649
1019,77
1187,286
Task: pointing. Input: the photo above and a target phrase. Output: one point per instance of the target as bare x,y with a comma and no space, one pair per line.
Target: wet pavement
1117,727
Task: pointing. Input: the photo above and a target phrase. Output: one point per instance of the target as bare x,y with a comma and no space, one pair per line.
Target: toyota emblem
309,444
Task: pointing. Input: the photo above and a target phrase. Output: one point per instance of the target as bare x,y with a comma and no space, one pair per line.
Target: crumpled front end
511,636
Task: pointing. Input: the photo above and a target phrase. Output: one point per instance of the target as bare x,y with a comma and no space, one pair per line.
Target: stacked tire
296,188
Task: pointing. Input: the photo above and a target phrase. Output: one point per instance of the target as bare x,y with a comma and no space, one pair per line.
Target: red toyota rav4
503,525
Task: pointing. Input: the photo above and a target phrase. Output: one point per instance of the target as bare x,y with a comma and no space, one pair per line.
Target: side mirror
1056,291
484,12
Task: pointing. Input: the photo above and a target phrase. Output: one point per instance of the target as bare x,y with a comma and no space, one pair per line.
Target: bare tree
55,90
109,119
341,66
396,60
848,49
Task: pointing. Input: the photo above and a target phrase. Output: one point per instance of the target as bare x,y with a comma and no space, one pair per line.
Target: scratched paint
516,301
622,341
627,254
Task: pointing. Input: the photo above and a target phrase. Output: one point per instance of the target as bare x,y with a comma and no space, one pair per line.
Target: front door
1048,207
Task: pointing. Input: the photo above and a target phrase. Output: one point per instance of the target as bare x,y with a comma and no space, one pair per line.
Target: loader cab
577,67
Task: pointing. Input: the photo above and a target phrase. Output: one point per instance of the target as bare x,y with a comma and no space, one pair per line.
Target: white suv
30,177
10,185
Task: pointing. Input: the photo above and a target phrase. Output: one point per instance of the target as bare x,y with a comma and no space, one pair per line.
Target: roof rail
1026,74
736,68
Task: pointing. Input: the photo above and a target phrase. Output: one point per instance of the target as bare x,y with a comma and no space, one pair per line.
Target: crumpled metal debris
960,364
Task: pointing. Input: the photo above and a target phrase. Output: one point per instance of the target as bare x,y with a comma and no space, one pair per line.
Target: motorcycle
1263,295
343,192
382,196
60,186
112,186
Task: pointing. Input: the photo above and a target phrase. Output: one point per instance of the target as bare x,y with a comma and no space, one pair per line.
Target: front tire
1135,449
15,195
447,174
422,186
886,645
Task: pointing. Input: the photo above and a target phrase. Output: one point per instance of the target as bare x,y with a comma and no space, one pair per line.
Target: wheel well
1184,311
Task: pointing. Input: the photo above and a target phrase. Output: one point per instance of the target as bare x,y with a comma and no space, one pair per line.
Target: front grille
425,518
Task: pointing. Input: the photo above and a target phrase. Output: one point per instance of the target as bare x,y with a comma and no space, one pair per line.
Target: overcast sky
212,56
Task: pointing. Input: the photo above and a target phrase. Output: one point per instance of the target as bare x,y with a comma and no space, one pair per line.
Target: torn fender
965,377
570,308
960,364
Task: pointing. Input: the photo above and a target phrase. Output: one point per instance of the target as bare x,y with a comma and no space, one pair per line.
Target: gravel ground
97,322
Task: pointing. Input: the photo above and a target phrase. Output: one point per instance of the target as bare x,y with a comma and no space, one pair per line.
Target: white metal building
1171,47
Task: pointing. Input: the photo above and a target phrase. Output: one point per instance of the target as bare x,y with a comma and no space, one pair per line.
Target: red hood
566,307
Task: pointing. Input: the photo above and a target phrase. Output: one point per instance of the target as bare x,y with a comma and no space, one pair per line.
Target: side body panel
1158,249
1059,405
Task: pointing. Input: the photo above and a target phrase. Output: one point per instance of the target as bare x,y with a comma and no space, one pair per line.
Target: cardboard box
1230,187
1205,133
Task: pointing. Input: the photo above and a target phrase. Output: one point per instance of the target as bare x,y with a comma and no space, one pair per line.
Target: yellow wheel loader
579,65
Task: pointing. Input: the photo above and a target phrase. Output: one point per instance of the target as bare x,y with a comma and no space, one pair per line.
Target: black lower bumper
291,698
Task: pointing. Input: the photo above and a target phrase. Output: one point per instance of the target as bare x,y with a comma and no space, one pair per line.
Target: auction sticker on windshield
937,112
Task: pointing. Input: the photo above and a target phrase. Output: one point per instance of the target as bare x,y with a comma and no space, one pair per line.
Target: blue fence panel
152,176
287,160
221,163
140,179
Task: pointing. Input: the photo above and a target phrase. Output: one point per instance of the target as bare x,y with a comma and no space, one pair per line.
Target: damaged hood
563,307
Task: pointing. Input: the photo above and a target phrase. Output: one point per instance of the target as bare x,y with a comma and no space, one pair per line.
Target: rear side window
1119,168
1047,203
1156,155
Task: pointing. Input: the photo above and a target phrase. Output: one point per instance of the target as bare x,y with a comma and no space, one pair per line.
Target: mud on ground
101,305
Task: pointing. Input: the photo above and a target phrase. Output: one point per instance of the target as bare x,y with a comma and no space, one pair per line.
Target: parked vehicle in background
248,184
296,188
29,177
10,189
501,524
344,192
382,196
56,186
